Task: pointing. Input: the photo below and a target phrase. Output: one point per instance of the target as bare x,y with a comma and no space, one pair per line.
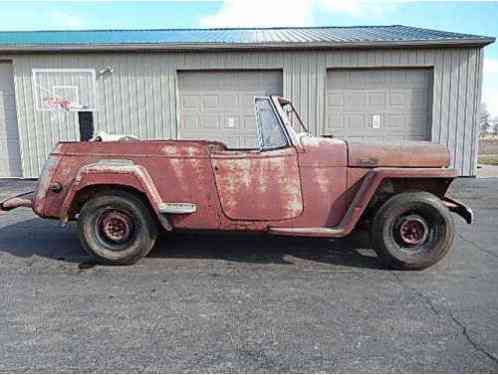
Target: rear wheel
117,228
412,231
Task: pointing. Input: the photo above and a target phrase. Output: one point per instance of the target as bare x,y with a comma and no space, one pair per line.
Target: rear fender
115,172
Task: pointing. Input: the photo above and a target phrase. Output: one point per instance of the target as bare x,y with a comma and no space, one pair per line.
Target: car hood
400,154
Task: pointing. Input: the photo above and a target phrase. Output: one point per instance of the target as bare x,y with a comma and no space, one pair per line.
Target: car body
292,184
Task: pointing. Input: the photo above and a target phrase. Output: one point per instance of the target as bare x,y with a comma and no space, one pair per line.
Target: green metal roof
298,37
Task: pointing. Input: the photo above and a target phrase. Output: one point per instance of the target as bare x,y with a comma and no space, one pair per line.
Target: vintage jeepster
122,192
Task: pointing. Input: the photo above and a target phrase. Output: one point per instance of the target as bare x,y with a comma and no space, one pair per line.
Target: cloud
490,85
267,13
64,20
490,66
353,8
259,13
490,97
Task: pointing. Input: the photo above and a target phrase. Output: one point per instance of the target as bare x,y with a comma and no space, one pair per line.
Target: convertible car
123,191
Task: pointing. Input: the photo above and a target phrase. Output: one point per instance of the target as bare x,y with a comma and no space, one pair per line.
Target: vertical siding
140,96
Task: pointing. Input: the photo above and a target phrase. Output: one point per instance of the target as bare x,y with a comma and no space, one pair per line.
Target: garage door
219,105
10,160
379,104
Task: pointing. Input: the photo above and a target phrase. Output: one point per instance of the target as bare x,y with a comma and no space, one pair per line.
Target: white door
379,104
219,105
10,159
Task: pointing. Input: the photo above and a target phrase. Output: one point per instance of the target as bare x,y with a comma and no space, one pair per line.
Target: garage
10,160
380,104
219,105
369,83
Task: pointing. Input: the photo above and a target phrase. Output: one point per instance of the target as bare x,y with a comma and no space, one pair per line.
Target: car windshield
271,135
291,117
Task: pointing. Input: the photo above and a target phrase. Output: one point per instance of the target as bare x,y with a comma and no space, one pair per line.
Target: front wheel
412,231
117,228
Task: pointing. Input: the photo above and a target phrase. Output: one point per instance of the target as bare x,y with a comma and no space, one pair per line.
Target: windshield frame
293,135
281,102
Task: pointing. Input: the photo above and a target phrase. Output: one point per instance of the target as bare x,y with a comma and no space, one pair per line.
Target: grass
491,159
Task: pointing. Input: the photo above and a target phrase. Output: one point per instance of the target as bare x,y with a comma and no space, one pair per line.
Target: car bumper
20,200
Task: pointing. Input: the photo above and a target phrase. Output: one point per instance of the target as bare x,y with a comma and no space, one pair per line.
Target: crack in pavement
448,313
489,252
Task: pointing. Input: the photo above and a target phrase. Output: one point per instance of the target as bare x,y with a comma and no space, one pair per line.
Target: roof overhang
171,47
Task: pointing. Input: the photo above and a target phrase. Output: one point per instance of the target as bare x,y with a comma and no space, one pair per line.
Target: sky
471,17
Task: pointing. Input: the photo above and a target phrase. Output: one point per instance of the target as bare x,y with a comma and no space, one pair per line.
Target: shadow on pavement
47,239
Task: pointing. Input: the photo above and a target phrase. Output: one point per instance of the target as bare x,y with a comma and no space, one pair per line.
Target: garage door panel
211,101
398,98
418,99
355,100
222,105
191,102
394,121
230,102
231,122
377,99
354,120
335,99
249,122
400,101
335,121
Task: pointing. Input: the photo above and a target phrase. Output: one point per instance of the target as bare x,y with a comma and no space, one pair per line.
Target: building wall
140,96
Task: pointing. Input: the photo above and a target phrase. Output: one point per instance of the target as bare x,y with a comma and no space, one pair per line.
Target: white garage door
10,160
379,104
219,105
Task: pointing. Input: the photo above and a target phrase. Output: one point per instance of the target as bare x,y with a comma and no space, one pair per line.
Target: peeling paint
318,183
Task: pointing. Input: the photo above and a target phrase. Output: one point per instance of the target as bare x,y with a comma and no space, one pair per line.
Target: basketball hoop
65,90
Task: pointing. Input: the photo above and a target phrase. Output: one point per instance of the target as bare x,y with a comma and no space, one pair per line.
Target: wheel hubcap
115,226
413,230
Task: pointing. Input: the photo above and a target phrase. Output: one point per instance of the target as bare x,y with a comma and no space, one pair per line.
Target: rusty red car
123,192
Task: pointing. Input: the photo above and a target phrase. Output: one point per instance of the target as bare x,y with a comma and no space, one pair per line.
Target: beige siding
140,96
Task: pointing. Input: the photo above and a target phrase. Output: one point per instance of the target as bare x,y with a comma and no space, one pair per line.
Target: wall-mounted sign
376,121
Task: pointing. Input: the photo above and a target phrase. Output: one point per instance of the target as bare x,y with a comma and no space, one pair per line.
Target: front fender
459,208
363,197
115,172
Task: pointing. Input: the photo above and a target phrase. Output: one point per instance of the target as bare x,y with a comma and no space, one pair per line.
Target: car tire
117,228
412,231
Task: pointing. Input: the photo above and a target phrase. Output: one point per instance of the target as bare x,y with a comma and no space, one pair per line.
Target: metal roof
285,37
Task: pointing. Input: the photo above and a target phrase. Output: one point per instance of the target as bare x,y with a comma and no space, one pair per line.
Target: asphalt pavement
211,303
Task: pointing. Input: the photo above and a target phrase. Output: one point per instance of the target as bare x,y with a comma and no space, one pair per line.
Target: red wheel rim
115,226
413,230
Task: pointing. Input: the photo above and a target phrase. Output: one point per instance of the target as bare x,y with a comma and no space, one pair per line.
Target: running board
310,232
177,208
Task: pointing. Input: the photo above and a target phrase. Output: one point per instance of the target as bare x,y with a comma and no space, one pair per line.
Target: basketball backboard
65,89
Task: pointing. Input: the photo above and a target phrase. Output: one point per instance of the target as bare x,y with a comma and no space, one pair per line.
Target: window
271,135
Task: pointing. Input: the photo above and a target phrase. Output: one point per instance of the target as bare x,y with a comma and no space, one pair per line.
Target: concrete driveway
214,303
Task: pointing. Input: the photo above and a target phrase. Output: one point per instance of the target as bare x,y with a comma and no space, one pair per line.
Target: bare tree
494,125
484,120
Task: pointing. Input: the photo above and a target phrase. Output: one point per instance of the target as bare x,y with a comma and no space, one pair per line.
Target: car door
263,184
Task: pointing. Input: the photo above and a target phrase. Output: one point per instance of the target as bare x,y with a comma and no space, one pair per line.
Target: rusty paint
398,154
258,186
314,187
365,193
